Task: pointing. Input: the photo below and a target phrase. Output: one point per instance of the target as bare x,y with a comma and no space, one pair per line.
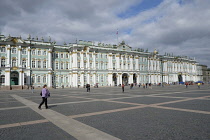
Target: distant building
26,62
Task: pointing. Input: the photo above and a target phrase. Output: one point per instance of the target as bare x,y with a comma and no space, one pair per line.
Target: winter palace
26,62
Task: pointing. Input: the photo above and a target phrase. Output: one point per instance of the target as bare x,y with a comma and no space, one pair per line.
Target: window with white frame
102,78
44,53
85,65
24,63
3,49
61,79
39,64
39,52
90,65
33,64
61,65
2,62
67,55
67,80
44,79
44,64
67,65
56,55
61,55
2,79
33,52
14,50
56,65
24,51
38,79
78,64
14,62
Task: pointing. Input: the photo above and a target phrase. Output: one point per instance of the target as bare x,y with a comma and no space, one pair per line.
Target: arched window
13,62
3,62
2,79
44,79
13,50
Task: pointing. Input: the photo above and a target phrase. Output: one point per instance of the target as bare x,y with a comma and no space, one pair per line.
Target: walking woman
45,94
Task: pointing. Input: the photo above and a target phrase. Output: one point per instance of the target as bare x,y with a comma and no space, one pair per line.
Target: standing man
88,87
123,87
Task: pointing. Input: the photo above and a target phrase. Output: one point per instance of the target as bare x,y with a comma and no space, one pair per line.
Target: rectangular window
67,66
61,55
44,52
39,64
61,65
39,52
13,50
3,49
33,52
56,55
38,79
33,64
44,79
24,63
56,65
23,51
67,56
44,64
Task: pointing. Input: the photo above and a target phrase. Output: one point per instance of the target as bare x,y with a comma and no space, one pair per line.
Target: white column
118,61
19,56
7,77
137,63
82,60
8,61
21,78
131,63
130,78
82,80
29,58
110,64
50,59
49,80
110,79
74,58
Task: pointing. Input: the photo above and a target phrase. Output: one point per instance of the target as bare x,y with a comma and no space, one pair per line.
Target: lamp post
161,60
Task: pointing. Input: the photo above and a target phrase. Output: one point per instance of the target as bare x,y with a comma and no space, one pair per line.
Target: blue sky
137,8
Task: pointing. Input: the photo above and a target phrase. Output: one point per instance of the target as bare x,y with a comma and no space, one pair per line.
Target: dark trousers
44,100
88,89
122,89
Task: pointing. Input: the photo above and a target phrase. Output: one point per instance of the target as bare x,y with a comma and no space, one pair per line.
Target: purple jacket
45,93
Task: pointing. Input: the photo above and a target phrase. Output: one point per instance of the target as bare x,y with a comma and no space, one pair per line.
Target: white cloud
181,29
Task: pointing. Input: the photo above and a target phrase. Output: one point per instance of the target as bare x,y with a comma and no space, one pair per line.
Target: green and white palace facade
26,62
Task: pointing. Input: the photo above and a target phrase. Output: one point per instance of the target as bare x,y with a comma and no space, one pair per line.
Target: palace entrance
114,78
14,78
125,79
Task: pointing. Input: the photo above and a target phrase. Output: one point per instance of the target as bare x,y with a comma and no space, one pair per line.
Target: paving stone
152,124
18,115
43,131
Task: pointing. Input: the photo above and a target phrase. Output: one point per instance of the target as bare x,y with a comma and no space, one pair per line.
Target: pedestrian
45,94
88,87
199,84
123,87
32,89
186,84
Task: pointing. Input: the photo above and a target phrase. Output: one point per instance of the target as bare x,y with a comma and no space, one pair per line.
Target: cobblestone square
170,112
